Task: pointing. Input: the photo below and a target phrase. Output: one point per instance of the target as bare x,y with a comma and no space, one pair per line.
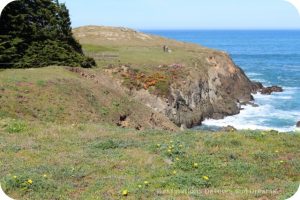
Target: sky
185,14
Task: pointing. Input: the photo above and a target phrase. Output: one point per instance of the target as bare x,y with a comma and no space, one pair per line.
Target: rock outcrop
257,86
215,94
270,90
228,129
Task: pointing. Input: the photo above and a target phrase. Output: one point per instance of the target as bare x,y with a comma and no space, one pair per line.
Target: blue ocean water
271,57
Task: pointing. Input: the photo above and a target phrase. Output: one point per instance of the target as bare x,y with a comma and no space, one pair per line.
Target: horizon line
217,29
198,29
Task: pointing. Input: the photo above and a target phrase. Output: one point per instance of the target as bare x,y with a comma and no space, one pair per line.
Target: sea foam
258,118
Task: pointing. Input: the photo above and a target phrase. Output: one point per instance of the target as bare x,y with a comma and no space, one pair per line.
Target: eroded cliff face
214,93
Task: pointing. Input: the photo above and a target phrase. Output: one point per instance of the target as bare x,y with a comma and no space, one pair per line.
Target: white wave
283,97
254,118
251,126
287,94
253,74
291,68
264,82
273,97
240,126
261,117
293,89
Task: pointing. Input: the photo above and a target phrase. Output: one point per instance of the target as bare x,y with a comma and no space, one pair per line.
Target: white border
295,3
296,196
3,196
3,3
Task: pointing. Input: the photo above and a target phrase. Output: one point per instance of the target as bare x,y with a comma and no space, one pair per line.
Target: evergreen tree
37,33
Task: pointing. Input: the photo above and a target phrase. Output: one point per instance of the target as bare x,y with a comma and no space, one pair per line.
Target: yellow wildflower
15,177
177,159
195,165
45,175
146,182
125,192
30,181
139,186
205,178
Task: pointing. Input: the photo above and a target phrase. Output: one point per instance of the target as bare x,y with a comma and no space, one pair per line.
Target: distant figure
166,48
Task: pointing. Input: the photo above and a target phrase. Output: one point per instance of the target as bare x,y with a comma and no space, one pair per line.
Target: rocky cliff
214,93
187,84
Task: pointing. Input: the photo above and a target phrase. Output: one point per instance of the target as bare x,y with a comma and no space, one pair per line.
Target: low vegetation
67,95
92,161
56,94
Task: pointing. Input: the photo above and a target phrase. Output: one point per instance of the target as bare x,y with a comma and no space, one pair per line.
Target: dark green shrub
37,34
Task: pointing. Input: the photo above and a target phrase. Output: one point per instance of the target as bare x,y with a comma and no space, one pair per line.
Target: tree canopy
37,33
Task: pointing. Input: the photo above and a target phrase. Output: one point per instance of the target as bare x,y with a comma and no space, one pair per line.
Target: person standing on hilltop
166,48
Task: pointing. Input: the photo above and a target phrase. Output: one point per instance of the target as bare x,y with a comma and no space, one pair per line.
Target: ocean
270,57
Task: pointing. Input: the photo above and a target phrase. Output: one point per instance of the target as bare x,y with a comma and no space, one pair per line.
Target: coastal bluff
187,84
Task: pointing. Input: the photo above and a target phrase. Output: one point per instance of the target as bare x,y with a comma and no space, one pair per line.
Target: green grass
92,161
58,138
145,58
54,94
97,48
149,60
15,126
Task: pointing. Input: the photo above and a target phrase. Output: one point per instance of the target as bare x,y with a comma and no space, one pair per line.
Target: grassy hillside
92,161
61,135
56,94
121,46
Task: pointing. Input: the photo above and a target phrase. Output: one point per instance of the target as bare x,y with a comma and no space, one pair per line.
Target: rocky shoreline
187,85
218,94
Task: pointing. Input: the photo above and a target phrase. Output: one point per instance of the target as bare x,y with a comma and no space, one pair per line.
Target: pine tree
37,33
